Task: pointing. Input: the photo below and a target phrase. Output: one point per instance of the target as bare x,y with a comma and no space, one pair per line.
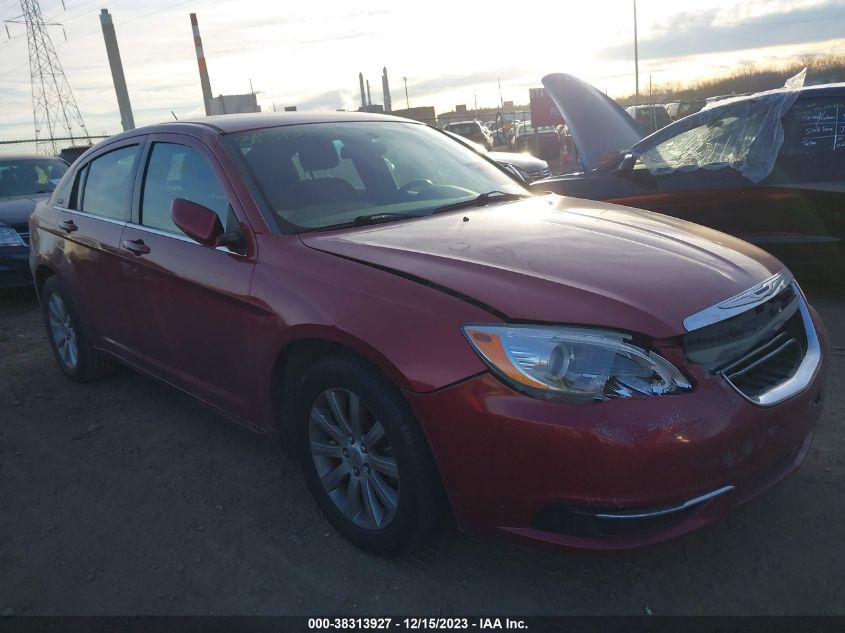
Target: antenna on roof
174,115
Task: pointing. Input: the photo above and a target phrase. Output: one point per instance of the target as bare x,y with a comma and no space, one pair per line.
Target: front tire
69,339
364,457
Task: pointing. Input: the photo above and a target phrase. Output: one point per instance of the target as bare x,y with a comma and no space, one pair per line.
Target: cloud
430,87
329,100
707,31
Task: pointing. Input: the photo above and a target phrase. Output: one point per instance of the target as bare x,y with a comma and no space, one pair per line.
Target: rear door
88,221
190,303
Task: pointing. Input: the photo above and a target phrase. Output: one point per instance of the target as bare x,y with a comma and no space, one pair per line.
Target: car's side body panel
190,304
306,294
84,250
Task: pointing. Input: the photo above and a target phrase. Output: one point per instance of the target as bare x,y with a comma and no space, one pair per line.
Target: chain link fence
68,148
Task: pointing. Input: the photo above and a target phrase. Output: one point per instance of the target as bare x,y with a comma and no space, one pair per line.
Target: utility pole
54,109
407,101
636,56
119,80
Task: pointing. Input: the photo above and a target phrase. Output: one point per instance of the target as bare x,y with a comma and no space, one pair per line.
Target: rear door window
107,187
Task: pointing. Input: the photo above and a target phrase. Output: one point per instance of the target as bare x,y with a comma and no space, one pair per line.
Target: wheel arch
306,346
42,273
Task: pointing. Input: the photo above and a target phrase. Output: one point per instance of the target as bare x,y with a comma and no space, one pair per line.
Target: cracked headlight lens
575,364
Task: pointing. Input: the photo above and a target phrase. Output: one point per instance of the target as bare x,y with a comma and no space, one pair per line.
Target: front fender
411,331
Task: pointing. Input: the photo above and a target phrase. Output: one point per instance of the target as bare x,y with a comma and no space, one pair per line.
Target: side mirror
197,222
514,172
628,162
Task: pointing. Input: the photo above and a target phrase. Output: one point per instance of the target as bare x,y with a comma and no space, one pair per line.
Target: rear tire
364,457
69,339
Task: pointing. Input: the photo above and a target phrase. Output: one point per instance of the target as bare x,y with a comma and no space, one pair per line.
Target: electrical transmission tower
54,109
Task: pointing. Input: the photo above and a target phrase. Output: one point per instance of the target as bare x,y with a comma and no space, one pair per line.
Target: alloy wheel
354,458
63,331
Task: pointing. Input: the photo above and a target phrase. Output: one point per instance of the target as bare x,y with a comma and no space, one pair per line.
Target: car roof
232,123
229,123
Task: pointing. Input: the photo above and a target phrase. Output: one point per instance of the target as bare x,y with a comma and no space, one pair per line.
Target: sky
452,52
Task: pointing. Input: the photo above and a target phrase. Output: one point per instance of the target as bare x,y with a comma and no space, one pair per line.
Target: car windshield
463,128
544,129
329,174
28,176
745,134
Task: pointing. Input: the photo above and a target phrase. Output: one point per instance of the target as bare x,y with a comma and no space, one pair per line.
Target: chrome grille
767,353
767,366
539,175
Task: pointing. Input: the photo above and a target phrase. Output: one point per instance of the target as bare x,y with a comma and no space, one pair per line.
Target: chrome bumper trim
640,514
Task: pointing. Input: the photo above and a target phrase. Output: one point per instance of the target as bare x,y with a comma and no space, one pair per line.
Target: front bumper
511,464
14,267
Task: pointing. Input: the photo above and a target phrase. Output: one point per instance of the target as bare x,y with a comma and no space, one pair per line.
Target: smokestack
385,88
369,99
113,52
204,82
363,95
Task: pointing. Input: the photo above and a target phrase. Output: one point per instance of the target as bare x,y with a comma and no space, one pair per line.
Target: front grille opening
583,522
766,367
757,350
537,175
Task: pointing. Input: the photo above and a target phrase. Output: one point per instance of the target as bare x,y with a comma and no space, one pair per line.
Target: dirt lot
125,497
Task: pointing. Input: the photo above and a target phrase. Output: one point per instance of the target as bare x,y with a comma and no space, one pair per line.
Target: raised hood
599,126
562,260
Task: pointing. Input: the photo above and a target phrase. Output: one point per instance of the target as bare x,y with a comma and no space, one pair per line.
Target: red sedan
425,334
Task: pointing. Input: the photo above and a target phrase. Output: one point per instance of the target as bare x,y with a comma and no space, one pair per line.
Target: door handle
68,226
136,246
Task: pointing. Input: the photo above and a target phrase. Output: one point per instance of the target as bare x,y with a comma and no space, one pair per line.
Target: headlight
10,237
575,364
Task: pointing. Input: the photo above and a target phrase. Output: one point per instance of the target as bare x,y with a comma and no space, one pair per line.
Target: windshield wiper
481,200
376,218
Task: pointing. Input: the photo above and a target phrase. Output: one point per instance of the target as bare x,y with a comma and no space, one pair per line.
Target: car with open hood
425,335
24,180
768,168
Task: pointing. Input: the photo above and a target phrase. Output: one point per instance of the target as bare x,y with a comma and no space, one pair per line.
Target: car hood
16,211
598,125
562,260
523,161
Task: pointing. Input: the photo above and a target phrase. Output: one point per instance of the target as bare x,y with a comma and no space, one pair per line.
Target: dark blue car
24,180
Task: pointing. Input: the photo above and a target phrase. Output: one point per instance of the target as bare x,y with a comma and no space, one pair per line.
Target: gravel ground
126,497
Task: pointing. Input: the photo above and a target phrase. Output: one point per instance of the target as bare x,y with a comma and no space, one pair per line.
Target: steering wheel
414,184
